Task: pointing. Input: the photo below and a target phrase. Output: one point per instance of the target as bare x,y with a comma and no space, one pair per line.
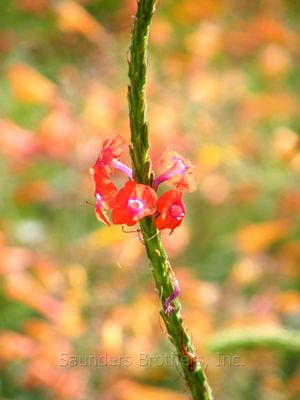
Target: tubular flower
105,193
108,158
133,202
171,210
179,171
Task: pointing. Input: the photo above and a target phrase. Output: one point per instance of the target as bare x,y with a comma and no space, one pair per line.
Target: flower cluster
135,201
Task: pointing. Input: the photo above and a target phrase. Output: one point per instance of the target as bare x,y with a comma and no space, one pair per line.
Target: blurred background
224,88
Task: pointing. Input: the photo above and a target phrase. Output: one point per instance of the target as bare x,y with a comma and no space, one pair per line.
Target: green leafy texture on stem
160,265
136,91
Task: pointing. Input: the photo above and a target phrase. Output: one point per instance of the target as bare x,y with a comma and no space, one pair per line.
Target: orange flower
179,171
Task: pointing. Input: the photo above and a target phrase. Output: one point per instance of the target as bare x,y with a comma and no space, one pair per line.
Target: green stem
282,340
160,265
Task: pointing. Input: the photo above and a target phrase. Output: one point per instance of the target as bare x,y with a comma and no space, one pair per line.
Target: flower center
135,205
177,212
98,198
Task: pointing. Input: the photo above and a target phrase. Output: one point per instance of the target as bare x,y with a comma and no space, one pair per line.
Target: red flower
180,172
111,148
106,163
101,209
108,159
171,210
103,185
134,202
105,193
